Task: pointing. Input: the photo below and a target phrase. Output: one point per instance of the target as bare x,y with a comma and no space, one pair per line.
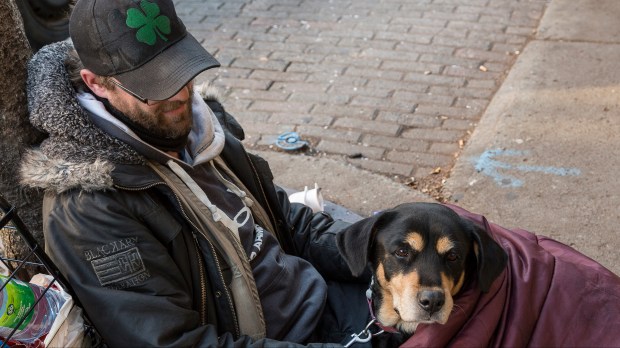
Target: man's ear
491,258
356,241
92,81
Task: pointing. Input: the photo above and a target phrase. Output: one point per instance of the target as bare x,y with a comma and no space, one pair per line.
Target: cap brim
165,75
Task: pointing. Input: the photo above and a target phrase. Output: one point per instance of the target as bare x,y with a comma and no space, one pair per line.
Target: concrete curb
545,153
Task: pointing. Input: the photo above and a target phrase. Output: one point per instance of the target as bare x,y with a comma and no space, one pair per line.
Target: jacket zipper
228,296
203,282
203,286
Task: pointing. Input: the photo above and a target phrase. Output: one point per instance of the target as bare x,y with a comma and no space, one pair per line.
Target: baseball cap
141,43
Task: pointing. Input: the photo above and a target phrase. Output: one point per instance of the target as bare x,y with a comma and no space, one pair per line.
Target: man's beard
168,133
160,125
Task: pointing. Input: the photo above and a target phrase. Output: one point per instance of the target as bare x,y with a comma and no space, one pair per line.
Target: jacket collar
85,144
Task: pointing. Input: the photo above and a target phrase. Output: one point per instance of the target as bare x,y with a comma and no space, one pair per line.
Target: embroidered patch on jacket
121,269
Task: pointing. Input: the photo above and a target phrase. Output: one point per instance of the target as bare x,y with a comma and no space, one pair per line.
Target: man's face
170,118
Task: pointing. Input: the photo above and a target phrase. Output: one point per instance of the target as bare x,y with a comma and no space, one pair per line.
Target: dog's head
420,255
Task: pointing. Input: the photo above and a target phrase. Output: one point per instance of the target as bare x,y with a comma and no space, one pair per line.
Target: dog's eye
402,252
452,256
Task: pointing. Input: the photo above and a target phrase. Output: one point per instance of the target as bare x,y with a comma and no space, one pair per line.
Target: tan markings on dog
448,284
407,326
386,313
405,288
444,244
415,240
456,288
381,275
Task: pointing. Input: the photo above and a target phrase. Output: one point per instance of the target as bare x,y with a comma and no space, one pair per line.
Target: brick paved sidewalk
392,86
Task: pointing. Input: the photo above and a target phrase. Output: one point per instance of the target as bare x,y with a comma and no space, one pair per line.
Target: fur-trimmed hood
85,142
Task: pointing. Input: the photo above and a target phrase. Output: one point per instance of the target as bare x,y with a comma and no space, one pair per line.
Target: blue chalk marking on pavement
488,165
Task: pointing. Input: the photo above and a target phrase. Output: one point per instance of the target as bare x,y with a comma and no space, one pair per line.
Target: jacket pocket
163,225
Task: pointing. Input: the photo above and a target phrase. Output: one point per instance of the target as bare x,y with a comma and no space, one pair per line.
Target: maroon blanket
550,295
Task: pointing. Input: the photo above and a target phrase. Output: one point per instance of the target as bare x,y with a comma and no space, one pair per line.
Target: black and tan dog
420,255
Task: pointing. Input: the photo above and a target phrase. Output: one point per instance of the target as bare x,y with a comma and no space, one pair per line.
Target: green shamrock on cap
151,23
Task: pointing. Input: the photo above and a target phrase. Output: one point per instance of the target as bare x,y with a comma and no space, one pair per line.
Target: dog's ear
356,241
491,258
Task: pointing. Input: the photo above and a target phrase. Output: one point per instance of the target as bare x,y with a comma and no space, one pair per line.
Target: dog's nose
431,300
